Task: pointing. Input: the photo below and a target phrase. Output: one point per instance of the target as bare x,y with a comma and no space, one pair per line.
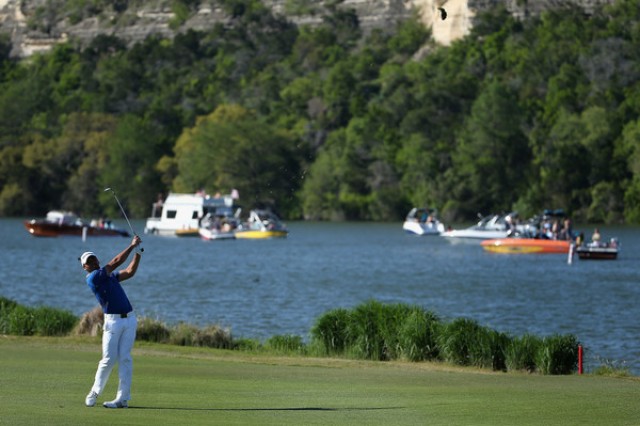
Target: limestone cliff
36,25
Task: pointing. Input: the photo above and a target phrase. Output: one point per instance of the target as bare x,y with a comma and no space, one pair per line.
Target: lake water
262,288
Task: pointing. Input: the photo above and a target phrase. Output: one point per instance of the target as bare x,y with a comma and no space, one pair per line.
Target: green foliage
465,342
557,355
377,331
152,330
366,325
330,330
230,149
492,154
53,322
611,371
521,353
249,345
43,321
183,334
286,344
417,335
332,122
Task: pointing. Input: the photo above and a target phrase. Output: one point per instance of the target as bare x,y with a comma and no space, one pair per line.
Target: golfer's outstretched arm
123,255
130,271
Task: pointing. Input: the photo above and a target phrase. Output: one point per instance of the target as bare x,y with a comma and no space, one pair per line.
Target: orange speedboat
526,245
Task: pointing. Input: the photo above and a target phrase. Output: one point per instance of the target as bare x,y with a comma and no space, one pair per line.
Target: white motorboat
488,228
262,224
218,227
216,234
422,222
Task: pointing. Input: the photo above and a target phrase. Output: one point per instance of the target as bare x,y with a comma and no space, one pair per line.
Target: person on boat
156,210
508,221
595,237
566,233
119,330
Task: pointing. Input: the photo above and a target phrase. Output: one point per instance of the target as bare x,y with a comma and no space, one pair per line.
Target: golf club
123,212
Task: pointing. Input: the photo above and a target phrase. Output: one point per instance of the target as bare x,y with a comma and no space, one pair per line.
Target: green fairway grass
43,381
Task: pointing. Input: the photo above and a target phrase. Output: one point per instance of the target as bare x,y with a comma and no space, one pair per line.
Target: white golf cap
86,255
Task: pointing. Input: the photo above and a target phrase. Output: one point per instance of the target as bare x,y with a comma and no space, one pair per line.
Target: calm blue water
263,288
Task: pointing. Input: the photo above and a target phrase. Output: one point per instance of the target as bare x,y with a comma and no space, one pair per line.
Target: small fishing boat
599,250
421,221
260,225
62,223
526,246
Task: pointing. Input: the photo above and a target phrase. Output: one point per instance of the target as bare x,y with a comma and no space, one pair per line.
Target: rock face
37,25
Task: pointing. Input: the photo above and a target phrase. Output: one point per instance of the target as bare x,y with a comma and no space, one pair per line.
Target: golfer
120,324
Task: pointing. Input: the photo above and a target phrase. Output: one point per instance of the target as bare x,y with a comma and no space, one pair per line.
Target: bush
391,320
456,339
287,344
251,345
464,342
23,321
6,307
91,322
366,327
330,331
20,321
183,334
152,330
612,371
376,331
53,322
494,346
521,353
213,337
417,335
558,355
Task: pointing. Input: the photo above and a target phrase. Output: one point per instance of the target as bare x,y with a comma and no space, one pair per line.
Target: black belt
122,315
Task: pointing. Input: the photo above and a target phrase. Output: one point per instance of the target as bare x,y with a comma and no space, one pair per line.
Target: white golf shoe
115,404
90,400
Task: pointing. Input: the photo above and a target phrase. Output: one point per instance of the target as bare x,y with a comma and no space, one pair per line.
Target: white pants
118,337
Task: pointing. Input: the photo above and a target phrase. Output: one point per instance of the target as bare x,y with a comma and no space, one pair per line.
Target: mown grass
44,381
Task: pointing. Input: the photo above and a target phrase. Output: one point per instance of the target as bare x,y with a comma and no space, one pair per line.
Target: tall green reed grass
521,353
465,342
377,331
557,355
41,321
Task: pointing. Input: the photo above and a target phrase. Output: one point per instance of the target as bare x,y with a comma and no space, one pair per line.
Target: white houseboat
183,212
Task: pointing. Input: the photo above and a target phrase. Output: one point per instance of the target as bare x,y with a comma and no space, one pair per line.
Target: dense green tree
629,149
339,122
491,161
131,152
63,170
230,148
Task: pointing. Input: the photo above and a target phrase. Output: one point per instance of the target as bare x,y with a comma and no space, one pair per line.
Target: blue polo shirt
109,292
